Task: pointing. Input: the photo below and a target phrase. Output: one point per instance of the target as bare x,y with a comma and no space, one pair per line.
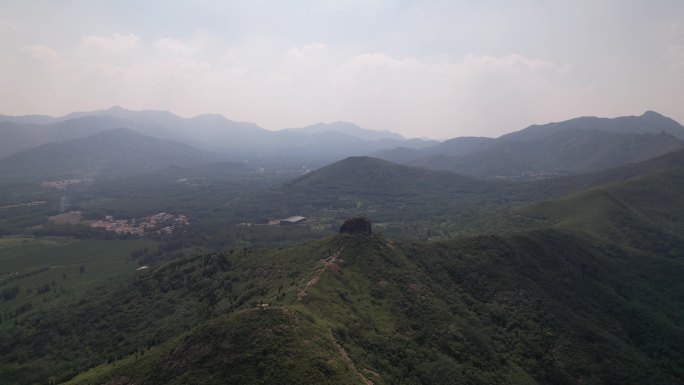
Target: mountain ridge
575,146
648,122
116,150
314,145
350,129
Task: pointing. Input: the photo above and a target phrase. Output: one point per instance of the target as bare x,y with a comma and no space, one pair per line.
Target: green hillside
280,345
592,296
565,152
543,307
643,211
575,146
408,201
587,291
374,176
418,203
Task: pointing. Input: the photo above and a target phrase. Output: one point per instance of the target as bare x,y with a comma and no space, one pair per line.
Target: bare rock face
356,225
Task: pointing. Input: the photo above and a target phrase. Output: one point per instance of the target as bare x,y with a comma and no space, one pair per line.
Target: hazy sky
421,68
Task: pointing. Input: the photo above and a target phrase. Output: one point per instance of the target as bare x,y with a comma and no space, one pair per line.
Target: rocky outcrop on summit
356,225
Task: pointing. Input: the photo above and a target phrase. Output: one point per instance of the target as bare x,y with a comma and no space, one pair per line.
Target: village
160,223
60,184
163,223
29,204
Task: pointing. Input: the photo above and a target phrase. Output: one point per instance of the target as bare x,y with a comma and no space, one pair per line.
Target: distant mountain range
349,129
575,146
649,122
111,152
317,144
17,136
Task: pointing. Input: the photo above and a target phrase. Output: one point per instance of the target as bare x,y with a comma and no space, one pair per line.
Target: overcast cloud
421,68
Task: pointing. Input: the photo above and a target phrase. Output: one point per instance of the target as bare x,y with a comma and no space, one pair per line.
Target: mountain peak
351,129
337,124
650,113
211,118
363,161
657,118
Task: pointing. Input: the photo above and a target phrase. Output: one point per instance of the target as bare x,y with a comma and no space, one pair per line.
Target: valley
341,192
127,258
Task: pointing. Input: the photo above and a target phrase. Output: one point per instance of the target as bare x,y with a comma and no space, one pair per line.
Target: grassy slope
541,307
645,211
547,306
55,262
24,254
278,345
115,320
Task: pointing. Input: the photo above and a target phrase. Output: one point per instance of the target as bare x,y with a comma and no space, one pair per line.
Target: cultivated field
39,272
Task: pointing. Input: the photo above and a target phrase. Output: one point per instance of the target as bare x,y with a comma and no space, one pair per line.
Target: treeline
177,296
80,232
11,293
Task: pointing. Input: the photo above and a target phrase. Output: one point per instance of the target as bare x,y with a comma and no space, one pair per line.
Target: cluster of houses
60,184
164,223
34,203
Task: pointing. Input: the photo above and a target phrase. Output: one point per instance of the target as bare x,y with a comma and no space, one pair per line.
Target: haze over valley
383,193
